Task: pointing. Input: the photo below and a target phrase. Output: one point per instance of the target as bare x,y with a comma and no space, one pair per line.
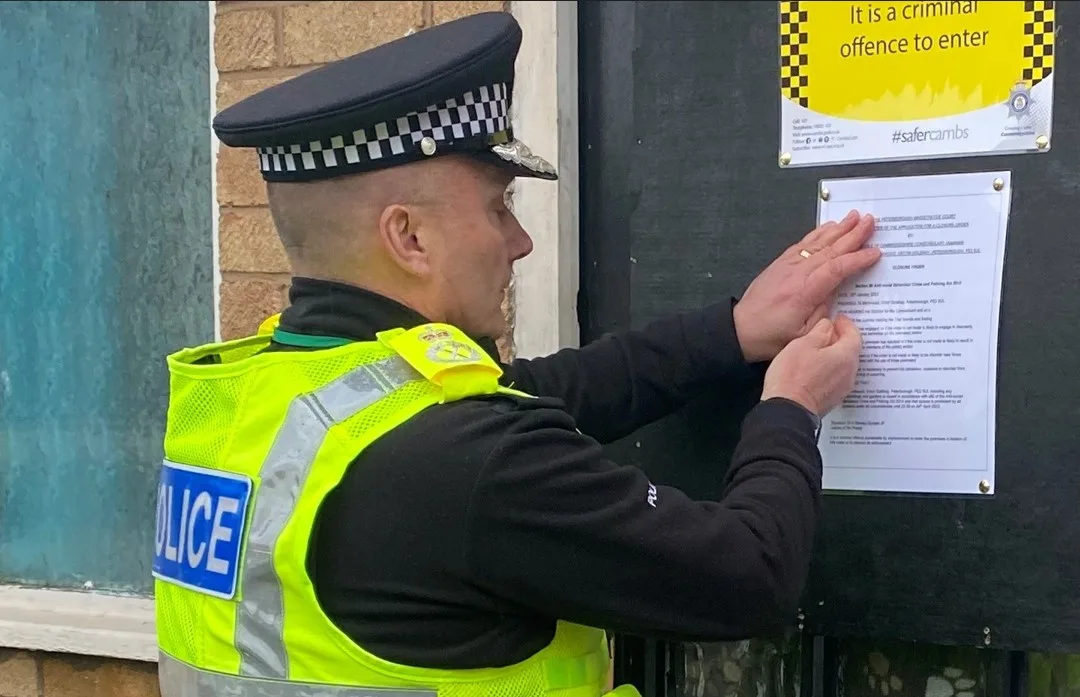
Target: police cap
443,90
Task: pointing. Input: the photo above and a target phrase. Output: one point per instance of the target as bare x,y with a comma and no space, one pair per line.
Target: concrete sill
78,622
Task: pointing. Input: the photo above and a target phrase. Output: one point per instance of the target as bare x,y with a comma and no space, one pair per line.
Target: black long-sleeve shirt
457,539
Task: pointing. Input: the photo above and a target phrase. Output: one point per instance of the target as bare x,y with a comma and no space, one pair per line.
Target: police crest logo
450,351
200,528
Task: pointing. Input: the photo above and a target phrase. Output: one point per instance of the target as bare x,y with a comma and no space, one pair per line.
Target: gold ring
804,254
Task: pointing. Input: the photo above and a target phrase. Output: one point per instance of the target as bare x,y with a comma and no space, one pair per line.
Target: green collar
308,340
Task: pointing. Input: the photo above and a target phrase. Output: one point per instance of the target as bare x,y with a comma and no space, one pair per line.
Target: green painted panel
106,265
1053,675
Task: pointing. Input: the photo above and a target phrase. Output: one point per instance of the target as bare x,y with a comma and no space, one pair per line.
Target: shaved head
435,235
328,227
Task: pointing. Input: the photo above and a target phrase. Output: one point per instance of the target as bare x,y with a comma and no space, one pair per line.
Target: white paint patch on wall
545,117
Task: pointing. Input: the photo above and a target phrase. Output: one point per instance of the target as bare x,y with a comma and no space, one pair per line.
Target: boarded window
106,265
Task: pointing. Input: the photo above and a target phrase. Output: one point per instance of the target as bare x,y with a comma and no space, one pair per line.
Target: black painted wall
683,202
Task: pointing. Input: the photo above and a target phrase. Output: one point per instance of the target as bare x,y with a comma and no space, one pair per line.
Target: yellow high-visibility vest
254,442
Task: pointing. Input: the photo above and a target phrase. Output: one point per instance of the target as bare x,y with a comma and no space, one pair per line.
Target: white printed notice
921,417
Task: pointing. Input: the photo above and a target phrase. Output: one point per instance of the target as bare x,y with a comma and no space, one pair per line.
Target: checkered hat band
479,112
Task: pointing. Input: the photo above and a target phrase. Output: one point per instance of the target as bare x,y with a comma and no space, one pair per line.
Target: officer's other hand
793,292
817,370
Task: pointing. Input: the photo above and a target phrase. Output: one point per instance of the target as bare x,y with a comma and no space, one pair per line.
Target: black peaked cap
447,89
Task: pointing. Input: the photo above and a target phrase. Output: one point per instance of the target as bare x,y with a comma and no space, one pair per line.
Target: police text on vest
200,527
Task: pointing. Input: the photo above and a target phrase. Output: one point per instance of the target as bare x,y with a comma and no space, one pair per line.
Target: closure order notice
921,417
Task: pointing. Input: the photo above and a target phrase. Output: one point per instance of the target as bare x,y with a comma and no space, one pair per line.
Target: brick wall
25,674
259,44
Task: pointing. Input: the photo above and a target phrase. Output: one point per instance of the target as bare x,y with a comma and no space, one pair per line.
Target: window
106,265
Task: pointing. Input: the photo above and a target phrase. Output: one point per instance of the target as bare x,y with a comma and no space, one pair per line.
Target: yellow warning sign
872,81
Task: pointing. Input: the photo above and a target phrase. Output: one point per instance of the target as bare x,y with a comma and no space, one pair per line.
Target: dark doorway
683,202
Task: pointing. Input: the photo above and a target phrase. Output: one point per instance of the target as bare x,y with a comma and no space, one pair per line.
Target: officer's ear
400,235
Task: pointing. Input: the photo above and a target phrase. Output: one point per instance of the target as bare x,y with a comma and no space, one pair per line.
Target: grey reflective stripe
260,615
177,679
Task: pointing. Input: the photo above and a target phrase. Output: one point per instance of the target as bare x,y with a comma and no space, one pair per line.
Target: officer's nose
521,243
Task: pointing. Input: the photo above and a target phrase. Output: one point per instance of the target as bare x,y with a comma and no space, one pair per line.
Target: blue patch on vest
200,528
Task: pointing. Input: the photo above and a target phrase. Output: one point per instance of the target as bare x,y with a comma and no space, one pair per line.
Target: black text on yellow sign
883,61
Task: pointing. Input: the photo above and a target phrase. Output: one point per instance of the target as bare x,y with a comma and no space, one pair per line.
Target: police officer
361,500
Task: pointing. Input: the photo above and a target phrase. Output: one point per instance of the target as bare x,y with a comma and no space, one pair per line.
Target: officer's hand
793,292
817,370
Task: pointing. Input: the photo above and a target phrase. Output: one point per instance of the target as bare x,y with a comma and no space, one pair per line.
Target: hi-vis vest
254,442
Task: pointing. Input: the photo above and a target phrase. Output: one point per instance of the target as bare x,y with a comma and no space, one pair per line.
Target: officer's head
436,235
390,169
